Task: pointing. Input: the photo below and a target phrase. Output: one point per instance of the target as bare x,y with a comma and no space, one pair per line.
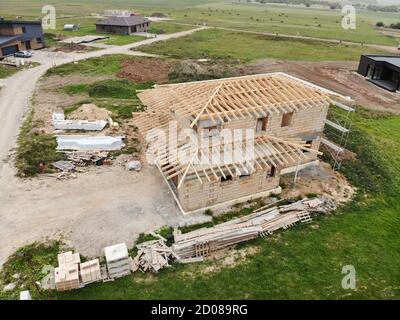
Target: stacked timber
203,242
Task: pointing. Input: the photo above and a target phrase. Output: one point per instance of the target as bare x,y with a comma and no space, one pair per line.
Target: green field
6,71
218,44
315,22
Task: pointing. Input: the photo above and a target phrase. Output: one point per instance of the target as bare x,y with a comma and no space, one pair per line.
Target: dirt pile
196,70
146,69
90,112
339,76
71,48
321,180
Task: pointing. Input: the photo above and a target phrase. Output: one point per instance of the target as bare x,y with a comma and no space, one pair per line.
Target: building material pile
85,158
203,242
152,256
67,273
90,271
60,123
64,166
89,143
118,260
85,125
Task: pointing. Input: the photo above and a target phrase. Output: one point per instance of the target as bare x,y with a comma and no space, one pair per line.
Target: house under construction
287,117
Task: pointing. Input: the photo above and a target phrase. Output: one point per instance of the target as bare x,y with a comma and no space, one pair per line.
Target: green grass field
218,44
6,71
315,22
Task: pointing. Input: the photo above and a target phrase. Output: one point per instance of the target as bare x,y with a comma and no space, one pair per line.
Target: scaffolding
337,130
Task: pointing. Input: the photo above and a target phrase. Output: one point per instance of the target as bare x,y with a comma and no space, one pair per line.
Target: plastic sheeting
86,125
88,143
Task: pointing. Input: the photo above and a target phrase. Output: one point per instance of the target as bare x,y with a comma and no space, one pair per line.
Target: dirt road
32,210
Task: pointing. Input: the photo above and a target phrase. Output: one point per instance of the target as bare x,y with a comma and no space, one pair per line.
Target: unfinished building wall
194,195
300,124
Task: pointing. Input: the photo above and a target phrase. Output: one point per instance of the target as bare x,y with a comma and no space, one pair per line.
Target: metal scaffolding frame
337,130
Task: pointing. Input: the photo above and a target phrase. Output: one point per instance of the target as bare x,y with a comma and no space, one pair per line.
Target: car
23,54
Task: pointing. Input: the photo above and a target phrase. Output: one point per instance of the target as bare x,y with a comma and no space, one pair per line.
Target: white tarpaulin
87,143
86,125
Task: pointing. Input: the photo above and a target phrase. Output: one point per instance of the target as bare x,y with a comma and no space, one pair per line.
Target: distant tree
395,25
380,24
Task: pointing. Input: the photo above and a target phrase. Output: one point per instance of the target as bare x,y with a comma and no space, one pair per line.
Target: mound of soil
90,112
146,69
71,48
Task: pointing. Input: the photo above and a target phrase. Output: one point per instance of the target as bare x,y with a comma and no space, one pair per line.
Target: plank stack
203,242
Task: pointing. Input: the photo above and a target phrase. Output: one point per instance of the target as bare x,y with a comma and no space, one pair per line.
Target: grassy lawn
117,96
33,149
6,71
105,65
314,22
248,47
305,261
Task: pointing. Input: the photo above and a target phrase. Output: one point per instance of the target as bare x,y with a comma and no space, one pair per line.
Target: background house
383,71
123,25
20,35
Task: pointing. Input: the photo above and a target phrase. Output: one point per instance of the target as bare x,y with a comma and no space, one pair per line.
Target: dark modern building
123,25
20,35
383,71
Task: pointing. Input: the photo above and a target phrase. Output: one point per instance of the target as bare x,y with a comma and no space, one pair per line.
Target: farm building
123,25
384,71
285,116
20,35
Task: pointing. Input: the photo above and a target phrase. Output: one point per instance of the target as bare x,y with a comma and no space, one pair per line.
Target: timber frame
228,104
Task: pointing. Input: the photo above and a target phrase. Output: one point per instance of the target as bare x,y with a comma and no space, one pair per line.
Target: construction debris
134,165
9,287
25,295
118,261
152,256
48,282
202,242
85,158
64,166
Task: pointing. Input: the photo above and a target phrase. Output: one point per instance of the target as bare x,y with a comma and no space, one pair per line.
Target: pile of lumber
203,242
152,256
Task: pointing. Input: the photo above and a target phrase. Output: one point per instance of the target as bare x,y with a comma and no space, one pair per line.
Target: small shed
67,277
71,27
90,271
